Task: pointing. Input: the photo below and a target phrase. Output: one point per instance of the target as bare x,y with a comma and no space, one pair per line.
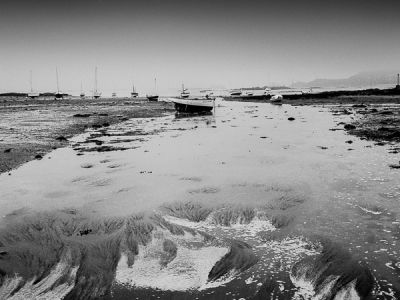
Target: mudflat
31,128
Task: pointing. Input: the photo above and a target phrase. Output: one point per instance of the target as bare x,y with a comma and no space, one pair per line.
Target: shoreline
39,126
71,117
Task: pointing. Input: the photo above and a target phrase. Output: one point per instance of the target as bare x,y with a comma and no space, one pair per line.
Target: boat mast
155,85
58,87
95,81
31,81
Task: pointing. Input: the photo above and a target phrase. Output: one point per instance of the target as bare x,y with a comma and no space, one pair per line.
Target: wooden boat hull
193,105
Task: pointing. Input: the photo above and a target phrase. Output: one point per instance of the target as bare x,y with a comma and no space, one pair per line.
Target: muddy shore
31,128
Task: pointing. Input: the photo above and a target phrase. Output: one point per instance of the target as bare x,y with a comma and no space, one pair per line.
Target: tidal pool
240,204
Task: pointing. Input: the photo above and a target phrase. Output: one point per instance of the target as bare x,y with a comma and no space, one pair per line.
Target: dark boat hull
152,98
249,98
186,108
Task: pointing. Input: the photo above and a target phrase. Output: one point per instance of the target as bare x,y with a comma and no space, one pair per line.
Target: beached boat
134,94
32,94
234,93
195,105
184,93
82,94
58,95
276,99
96,94
153,97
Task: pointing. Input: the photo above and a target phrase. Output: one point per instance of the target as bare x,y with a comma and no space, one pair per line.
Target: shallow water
243,155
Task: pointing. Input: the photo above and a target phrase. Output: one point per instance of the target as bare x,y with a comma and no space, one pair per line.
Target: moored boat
96,94
184,93
134,94
58,95
234,93
32,94
195,105
153,97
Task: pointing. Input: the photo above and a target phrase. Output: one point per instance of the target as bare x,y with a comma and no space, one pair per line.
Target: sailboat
96,94
153,97
32,94
58,95
114,95
134,94
184,93
82,94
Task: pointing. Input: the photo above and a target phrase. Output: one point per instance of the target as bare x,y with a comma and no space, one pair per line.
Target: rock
106,124
87,166
291,119
38,156
96,126
81,115
395,166
359,105
8,150
349,127
61,139
349,142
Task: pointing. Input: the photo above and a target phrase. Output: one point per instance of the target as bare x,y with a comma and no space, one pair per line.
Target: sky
203,44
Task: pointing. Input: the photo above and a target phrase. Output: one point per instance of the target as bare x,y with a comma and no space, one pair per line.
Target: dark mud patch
380,124
62,250
239,258
334,272
205,190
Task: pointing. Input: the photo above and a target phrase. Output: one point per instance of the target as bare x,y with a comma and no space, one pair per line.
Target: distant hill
362,79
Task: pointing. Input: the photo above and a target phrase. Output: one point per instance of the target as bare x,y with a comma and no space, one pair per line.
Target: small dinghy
193,105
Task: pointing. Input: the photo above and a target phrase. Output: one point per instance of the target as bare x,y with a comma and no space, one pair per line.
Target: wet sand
31,128
253,201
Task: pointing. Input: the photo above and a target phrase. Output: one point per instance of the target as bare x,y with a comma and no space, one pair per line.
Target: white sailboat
184,93
96,94
153,97
32,94
134,94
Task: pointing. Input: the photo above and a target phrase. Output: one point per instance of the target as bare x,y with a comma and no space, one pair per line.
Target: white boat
194,105
276,98
235,92
134,94
185,92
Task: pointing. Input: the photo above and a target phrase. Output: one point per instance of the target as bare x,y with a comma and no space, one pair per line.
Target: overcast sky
199,43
